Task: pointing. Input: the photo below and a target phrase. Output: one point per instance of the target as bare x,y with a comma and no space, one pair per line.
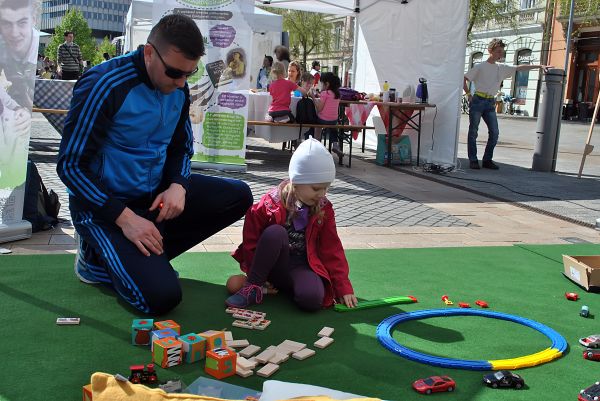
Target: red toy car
434,384
592,354
571,296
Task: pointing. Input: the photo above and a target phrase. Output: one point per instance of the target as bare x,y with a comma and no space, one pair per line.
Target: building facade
526,44
583,64
104,17
339,59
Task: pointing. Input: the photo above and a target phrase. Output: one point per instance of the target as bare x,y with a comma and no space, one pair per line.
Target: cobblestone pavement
357,202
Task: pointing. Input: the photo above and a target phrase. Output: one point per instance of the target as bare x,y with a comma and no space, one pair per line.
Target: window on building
525,4
336,70
522,77
337,38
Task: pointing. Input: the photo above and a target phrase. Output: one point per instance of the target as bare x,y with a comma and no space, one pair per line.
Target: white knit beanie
311,163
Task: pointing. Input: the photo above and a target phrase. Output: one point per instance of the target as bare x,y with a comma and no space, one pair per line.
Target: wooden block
87,392
249,351
278,358
326,332
264,356
262,324
293,345
267,370
303,354
229,336
245,364
231,310
283,350
249,314
238,343
243,372
323,342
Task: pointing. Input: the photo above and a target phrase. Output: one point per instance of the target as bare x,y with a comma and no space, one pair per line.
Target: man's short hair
315,64
179,31
67,33
496,43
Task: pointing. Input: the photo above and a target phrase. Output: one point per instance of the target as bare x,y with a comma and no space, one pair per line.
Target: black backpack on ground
40,208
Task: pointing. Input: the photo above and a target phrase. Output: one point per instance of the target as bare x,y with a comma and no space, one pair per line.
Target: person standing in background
316,72
262,81
282,54
70,63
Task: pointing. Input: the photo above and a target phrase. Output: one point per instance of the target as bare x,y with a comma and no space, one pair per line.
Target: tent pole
355,46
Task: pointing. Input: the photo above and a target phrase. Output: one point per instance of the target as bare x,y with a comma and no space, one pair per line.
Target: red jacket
323,246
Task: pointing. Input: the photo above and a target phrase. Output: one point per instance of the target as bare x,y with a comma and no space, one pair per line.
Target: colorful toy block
214,339
140,331
168,324
167,352
87,392
194,347
220,363
160,334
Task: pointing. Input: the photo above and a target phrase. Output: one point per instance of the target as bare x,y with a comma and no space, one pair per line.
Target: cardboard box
584,271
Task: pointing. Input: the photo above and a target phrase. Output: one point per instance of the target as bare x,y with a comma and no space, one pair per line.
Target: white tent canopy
402,42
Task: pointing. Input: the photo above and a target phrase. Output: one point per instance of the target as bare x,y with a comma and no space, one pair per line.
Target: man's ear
148,52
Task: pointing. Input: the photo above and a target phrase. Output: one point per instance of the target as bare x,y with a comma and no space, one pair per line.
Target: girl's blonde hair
289,200
278,69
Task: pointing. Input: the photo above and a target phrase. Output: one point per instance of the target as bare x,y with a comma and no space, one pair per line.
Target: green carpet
42,361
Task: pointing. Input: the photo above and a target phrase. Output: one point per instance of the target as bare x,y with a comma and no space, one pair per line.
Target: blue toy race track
384,335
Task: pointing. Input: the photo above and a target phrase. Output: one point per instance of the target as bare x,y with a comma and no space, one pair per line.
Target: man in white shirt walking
487,77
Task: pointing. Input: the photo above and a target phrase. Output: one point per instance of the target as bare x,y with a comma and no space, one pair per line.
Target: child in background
281,91
290,238
306,82
327,106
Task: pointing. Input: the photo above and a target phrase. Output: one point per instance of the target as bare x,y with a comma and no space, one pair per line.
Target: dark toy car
434,384
592,354
503,378
592,341
592,393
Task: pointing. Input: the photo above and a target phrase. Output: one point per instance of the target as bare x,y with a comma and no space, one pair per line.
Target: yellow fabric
106,388
484,95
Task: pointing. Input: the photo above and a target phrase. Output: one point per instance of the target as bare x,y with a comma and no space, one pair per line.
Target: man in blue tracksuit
125,159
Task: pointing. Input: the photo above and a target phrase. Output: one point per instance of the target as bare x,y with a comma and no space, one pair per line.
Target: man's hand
349,300
170,202
142,232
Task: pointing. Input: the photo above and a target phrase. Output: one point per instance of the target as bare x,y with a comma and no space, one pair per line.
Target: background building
583,65
525,45
104,17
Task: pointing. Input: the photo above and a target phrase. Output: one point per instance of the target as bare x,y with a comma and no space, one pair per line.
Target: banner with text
19,41
219,90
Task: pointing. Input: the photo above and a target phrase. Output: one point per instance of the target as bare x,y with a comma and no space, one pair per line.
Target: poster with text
219,90
19,41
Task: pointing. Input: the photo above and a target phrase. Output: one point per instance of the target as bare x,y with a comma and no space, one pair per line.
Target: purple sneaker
249,294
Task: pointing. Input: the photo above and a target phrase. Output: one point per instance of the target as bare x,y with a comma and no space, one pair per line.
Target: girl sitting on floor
290,238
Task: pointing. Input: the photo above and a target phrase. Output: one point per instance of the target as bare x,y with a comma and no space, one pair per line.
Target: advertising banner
219,90
19,40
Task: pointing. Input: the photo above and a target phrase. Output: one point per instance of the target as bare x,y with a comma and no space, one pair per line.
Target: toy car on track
592,393
592,341
503,378
592,354
434,384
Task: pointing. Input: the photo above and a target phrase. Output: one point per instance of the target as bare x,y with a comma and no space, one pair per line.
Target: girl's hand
349,300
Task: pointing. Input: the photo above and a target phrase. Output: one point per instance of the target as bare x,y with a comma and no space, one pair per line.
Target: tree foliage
73,21
309,32
586,12
105,47
503,13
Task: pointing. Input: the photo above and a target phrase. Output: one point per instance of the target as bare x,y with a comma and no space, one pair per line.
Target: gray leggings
272,262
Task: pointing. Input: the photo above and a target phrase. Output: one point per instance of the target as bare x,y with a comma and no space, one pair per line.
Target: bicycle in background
464,107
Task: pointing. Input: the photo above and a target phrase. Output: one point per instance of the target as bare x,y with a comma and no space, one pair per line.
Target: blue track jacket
123,138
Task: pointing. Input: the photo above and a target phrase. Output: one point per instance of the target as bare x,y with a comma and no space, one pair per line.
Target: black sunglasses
173,73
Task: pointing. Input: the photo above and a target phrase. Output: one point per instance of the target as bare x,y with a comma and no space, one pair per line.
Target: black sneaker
489,164
474,164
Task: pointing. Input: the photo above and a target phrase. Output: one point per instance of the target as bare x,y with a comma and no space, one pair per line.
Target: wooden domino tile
244,324
243,372
228,336
326,332
323,342
265,356
249,351
292,345
238,343
279,358
303,354
244,364
267,370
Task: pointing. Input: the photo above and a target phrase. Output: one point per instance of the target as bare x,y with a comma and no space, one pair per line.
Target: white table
258,105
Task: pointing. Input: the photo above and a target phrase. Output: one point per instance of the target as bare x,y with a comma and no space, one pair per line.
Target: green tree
309,32
105,47
73,21
502,12
585,13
